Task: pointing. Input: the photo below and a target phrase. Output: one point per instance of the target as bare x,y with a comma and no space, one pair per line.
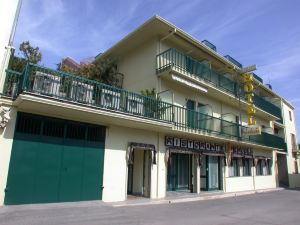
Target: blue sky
261,32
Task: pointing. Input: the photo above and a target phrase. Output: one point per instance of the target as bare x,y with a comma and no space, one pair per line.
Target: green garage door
55,160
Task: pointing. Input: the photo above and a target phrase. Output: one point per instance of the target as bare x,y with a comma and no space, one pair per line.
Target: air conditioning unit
135,105
81,92
47,84
110,99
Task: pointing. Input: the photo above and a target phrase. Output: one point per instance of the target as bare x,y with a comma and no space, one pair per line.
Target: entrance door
210,173
283,180
139,174
55,160
180,172
213,173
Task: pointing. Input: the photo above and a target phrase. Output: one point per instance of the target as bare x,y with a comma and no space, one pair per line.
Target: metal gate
55,160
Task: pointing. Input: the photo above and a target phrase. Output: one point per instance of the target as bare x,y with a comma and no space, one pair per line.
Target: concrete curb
198,198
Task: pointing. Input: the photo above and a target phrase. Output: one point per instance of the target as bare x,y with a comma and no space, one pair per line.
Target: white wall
138,67
269,181
115,165
234,184
6,140
290,127
8,10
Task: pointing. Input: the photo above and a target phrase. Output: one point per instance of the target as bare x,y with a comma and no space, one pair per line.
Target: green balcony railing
190,119
267,139
48,83
173,59
55,84
12,83
267,106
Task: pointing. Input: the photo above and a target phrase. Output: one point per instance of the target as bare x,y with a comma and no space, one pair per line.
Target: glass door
179,172
213,173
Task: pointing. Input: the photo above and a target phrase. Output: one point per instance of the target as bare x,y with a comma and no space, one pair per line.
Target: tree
149,93
102,70
29,53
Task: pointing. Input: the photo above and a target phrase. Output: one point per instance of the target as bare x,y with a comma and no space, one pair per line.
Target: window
203,166
247,164
264,167
290,114
259,168
234,169
269,166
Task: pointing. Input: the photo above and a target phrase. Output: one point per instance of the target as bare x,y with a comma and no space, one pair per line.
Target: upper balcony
57,86
173,60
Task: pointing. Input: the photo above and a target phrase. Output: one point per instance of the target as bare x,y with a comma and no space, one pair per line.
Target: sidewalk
179,197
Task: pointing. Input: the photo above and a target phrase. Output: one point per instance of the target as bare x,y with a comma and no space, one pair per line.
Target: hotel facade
67,138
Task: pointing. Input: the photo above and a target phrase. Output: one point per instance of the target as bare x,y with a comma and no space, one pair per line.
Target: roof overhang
159,27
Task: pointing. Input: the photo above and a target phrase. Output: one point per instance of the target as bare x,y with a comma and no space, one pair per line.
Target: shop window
263,167
247,164
259,167
203,166
269,167
234,169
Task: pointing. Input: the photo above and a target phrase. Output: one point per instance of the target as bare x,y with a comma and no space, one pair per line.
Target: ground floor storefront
49,159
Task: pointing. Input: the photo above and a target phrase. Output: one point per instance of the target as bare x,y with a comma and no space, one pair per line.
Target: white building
73,139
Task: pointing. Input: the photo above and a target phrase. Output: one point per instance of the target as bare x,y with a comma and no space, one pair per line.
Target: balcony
172,59
56,85
267,140
267,106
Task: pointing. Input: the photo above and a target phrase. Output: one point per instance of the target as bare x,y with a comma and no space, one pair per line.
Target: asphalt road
279,207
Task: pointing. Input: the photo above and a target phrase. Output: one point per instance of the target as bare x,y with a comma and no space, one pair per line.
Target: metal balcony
48,83
173,59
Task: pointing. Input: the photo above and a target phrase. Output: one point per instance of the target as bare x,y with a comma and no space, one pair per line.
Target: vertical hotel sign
247,80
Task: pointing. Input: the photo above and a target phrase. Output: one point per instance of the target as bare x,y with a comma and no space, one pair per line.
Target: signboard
242,151
247,80
251,130
248,69
193,145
